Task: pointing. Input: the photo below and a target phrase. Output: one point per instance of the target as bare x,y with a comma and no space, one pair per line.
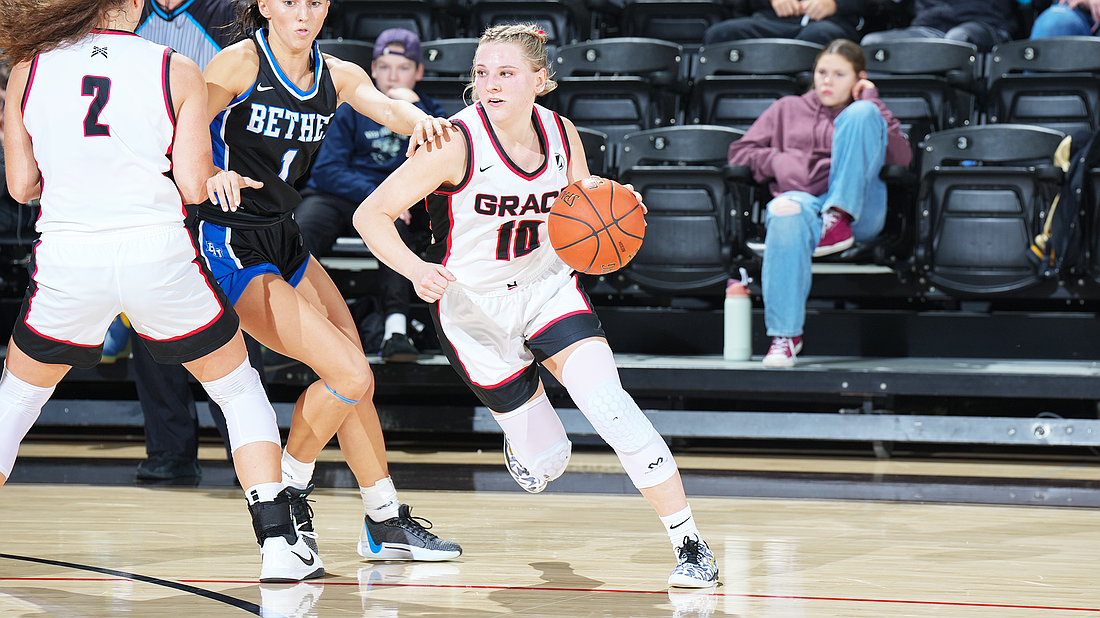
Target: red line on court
537,588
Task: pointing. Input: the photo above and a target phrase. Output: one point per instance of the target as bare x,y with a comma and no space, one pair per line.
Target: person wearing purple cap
357,155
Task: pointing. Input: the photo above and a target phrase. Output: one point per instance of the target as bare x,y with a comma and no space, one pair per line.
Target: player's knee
352,380
249,416
616,417
552,463
650,465
783,207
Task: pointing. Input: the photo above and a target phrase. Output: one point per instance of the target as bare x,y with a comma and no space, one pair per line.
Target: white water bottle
738,320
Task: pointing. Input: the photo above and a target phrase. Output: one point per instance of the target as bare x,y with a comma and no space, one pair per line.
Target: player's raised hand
224,189
429,130
430,281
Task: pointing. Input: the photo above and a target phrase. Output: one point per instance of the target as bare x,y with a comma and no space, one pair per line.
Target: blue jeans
859,152
1060,20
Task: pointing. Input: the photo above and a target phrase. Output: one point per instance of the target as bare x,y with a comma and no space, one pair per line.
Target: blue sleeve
333,171
432,107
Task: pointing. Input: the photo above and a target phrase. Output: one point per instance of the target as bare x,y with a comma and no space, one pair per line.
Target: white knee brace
593,382
20,405
248,414
620,422
537,438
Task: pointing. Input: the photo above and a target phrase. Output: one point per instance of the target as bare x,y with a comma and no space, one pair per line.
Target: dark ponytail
249,18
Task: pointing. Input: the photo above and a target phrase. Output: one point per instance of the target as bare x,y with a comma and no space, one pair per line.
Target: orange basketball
596,226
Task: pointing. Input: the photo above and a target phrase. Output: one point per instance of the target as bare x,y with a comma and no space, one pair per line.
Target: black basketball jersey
271,133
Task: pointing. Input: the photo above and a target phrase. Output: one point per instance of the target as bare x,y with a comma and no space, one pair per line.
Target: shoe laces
829,218
691,551
300,505
406,520
781,345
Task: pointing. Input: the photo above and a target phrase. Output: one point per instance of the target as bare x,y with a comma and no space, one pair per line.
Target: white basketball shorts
80,282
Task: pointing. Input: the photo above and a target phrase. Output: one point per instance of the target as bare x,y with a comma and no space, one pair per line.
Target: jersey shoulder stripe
265,49
469,173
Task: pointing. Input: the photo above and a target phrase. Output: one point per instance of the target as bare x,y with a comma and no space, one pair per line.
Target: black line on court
213,596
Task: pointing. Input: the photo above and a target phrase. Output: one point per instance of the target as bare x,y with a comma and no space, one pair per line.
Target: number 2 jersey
271,133
102,132
490,230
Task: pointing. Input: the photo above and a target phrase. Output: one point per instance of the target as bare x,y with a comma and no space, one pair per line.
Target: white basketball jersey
100,116
495,222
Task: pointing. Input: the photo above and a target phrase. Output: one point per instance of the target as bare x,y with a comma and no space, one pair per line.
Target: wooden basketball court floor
793,536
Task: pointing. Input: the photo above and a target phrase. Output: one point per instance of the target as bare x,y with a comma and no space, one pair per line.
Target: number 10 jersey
490,231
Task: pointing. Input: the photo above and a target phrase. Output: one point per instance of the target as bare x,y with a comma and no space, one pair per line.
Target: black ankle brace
271,519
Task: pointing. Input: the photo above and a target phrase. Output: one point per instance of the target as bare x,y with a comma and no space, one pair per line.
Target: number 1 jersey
272,132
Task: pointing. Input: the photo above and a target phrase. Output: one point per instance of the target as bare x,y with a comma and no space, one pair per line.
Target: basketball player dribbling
271,98
100,117
504,302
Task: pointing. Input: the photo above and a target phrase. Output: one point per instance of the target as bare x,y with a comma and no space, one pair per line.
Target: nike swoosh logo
482,169
374,547
679,524
304,561
262,89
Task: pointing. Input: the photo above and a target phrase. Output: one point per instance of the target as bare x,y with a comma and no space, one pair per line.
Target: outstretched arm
354,87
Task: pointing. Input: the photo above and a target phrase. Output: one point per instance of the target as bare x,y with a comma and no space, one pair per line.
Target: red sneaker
836,232
783,351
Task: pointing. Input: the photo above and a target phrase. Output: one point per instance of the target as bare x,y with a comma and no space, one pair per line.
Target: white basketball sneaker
284,563
696,567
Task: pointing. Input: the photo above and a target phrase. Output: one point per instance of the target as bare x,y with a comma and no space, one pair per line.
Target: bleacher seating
1052,82
359,52
447,64
928,84
733,83
692,233
983,190
618,86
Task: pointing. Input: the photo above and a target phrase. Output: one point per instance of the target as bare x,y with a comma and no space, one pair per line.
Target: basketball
596,226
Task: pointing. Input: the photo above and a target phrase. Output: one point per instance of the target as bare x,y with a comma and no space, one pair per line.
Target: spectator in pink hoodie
820,154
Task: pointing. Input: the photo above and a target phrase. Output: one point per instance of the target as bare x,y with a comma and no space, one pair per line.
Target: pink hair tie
542,32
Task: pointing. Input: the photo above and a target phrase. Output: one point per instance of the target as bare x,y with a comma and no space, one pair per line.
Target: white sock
263,492
380,500
679,525
295,473
395,325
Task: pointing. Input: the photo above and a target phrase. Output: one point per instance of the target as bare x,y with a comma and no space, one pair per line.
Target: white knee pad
537,438
620,422
551,463
248,414
20,405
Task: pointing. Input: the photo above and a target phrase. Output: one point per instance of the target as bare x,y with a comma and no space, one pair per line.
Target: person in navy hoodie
357,155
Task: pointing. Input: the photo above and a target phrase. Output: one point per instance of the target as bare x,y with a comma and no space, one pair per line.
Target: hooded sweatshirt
790,145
